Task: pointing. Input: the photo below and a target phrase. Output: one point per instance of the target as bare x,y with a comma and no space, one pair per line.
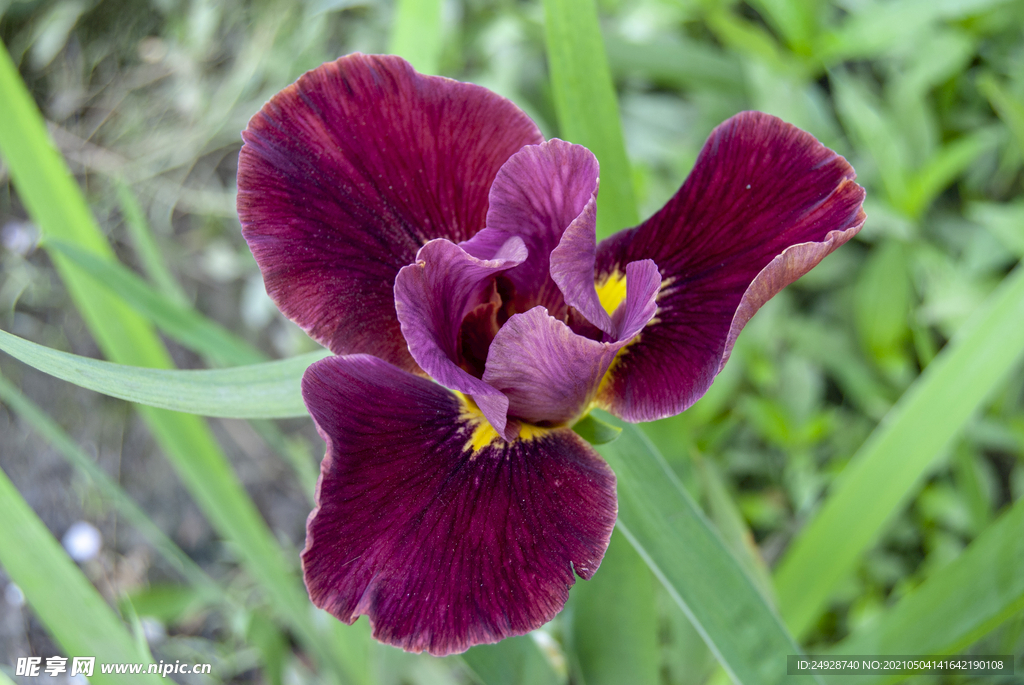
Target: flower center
481,324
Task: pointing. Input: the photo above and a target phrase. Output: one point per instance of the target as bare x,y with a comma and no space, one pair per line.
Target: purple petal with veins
346,173
764,203
433,296
443,546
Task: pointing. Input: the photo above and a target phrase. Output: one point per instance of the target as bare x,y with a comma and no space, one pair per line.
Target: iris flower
424,231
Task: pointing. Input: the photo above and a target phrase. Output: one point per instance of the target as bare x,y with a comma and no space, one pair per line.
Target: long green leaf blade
957,604
182,323
145,245
260,391
682,549
884,473
588,112
61,596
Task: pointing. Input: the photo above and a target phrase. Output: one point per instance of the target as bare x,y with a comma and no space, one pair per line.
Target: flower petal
573,268
433,296
763,205
346,173
443,546
549,373
537,193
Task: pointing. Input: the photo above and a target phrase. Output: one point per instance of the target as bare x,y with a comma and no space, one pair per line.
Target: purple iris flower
424,231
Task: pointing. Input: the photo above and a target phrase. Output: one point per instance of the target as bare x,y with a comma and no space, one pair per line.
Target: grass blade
146,247
262,391
957,604
884,473
180,322
77,617
588,112
416,34
682,549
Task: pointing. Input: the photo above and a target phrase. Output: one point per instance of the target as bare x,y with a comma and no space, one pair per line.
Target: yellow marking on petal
482,432
612,291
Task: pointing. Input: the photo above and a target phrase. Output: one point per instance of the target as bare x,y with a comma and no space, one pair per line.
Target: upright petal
443,545
764,204
434,296
346,173
536,195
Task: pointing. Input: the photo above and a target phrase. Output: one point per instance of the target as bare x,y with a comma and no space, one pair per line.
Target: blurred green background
924,97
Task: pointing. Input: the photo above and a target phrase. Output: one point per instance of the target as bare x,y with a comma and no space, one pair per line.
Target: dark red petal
433,297
443,547
537,194
764,204
346,173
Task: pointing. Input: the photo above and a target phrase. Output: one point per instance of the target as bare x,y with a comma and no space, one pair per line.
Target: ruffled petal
433,296
443,545
763,205
346,173
540,191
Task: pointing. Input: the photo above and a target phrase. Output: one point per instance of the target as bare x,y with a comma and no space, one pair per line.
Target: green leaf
686,554
871,127
416,33
883,300
145,246
596,432
620,594
1005,221
955,605
879,26
260,391
943,168
70,607
1009,108
180,322
676,62
588,112
796,20
513,661
888,468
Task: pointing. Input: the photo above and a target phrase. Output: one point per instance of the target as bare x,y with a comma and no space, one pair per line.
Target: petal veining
433,296
443,546
346,173
764,204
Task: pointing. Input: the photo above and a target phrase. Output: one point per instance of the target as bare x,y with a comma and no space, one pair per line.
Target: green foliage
865,442
686,554
267,390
